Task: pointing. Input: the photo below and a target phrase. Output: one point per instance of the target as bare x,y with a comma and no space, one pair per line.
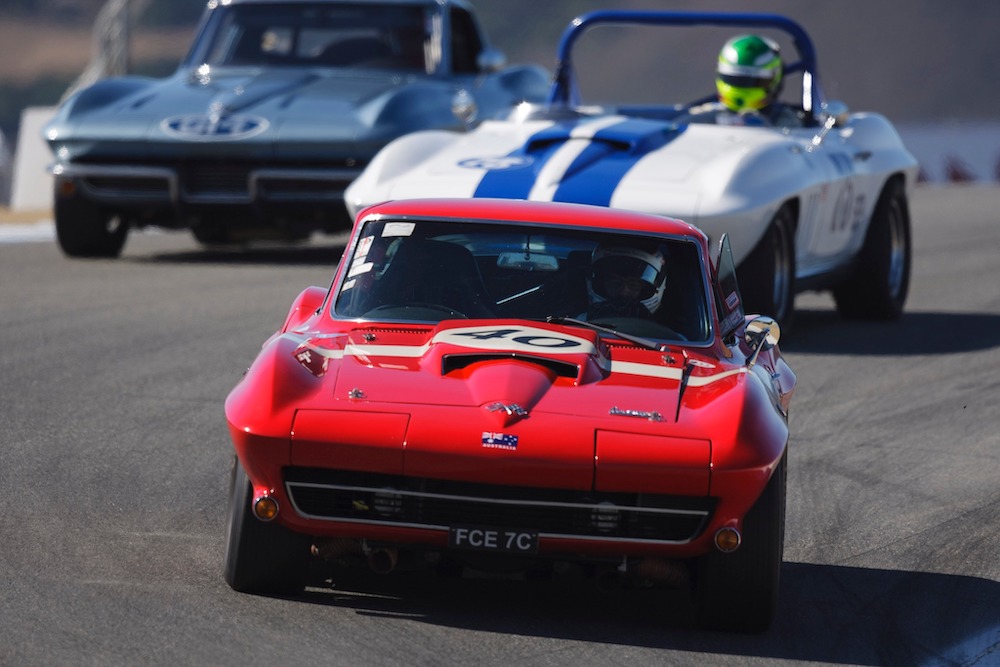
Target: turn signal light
265,508
727,539
66,187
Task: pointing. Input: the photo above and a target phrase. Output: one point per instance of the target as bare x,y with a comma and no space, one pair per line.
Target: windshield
381,36
428,271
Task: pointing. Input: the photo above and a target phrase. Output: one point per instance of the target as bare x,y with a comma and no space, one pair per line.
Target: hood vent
453,362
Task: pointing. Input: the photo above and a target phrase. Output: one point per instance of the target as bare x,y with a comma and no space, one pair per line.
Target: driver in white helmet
625,281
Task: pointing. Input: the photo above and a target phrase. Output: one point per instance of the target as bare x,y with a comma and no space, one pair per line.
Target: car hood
639,164
512,400
242,106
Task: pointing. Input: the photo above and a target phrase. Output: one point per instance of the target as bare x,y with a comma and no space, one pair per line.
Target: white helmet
614,265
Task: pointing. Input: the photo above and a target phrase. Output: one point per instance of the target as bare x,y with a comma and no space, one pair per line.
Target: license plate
499,540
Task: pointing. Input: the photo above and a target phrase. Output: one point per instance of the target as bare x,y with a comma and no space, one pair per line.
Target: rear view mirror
524,261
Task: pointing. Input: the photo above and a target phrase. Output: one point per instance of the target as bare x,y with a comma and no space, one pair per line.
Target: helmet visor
746,81
615,277
742,99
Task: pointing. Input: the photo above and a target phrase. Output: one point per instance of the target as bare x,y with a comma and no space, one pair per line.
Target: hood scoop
508,389
505,367
637,136
459,361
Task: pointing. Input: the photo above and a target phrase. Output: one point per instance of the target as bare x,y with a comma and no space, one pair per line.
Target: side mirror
762,333
490,60
831,115
464,106
835,112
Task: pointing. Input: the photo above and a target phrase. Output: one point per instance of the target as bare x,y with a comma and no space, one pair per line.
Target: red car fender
261,408
744,457
306,304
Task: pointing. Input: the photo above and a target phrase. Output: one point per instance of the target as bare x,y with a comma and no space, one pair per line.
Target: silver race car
813,200
275,109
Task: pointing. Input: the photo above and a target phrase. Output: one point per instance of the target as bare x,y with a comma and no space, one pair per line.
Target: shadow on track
824,332
327,254
828,614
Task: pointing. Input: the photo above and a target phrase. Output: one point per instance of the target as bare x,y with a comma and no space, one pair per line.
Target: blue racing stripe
593,175
597,172
514,179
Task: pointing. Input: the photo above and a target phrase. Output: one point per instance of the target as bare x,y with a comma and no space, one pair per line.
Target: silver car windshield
381,36
428,271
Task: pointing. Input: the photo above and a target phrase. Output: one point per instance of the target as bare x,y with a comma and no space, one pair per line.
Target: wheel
738,591
877,290
260,557
84,229
767,275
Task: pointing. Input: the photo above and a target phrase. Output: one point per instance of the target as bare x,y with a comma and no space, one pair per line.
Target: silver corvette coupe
277,107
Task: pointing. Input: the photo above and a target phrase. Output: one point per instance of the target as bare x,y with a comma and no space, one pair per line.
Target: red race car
536,385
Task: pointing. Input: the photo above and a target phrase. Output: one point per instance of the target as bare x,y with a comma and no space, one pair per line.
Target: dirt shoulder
30,50
25,217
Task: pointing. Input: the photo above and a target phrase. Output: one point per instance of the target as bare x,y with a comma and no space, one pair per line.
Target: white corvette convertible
820,204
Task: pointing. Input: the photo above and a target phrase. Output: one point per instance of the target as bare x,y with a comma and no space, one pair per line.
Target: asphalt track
114,463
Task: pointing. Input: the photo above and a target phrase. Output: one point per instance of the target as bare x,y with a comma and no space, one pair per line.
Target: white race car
820,204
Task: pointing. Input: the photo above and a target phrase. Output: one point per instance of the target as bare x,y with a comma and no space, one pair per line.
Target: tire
767,275
878,288
738,591
84,229
263,558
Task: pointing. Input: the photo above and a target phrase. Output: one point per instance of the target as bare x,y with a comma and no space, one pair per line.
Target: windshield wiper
641,342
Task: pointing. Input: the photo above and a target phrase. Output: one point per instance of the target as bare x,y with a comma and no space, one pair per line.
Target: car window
430,271
342,35
730,303
465,42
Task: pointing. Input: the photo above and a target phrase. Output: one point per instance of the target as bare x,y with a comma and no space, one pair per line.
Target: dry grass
24,217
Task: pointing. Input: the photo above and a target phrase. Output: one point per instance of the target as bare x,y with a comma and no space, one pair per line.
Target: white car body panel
720,178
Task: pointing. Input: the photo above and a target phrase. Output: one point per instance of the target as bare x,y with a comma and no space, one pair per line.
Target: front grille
224,181
217,179
428,503
305,187
128,186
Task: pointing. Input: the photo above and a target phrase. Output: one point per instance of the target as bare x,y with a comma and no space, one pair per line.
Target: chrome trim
173,185
331,175
512,409
112,171
652,416
704,514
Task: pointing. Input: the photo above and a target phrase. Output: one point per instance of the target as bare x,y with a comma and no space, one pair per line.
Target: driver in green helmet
748,82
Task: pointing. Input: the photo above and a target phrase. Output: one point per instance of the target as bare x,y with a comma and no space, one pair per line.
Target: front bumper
206,183
366,503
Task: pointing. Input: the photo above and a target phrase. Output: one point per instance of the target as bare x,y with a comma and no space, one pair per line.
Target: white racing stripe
671,372
551,175
624,367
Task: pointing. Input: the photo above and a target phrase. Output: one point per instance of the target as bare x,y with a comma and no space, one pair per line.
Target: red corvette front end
489,403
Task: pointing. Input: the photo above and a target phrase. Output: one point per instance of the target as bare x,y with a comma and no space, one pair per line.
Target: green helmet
749,73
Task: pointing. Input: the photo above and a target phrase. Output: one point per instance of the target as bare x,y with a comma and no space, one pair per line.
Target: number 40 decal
515,338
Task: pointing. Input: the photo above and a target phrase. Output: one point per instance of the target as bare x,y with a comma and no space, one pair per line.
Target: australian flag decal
499,440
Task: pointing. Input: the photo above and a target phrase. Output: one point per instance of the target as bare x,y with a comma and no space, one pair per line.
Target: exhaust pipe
334,548
383,560
670,573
